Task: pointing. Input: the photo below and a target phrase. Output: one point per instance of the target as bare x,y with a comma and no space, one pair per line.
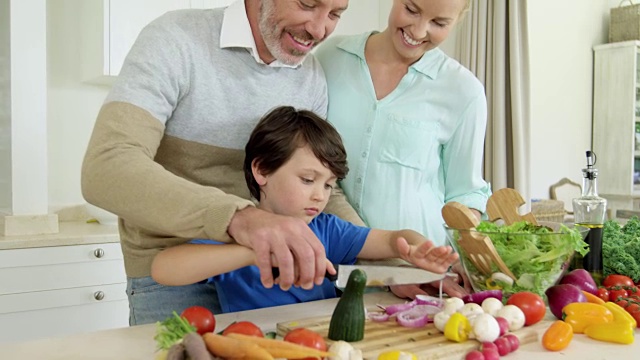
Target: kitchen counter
71,233
137,342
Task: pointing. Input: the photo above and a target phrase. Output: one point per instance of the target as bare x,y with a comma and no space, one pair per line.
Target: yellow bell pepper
620,331
457,328
620,314
492,285
581,315
397,355
615,332
587,309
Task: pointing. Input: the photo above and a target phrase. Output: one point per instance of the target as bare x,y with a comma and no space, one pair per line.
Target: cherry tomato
308,338
622,303
631,307
243,327
616,292
617,280
636,315
531,305
603,293
201,318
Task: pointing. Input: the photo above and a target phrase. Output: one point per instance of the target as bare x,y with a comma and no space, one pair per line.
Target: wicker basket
624,22
548,210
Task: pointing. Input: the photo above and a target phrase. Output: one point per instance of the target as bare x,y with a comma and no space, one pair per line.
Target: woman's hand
451,286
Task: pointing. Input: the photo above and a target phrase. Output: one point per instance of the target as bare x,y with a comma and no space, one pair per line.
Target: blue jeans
150,302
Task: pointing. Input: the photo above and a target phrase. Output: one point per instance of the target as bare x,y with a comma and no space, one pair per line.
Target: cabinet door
61,321
127,18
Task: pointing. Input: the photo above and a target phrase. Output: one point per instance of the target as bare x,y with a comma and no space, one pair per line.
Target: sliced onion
418,316
378,316
429,300
395,308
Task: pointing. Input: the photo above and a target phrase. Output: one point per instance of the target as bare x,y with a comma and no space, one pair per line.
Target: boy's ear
257,174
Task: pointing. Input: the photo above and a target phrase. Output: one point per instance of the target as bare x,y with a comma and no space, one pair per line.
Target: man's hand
295,247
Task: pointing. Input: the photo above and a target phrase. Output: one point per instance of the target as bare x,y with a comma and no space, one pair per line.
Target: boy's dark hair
285,129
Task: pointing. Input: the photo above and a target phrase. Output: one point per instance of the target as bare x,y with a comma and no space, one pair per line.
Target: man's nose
317,27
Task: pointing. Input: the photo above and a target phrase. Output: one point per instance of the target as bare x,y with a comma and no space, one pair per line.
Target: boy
293,160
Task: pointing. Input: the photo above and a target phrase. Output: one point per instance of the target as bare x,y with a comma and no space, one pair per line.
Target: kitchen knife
389,275
382,275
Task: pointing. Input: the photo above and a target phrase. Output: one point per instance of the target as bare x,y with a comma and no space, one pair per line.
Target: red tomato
617,280
631,307
308,338
243,327
531,305
603,293
615,293
201,318
636,315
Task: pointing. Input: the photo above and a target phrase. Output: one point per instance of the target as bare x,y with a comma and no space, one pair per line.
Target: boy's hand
427,256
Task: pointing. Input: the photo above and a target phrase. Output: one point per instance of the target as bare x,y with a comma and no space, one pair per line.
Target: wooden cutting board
427,343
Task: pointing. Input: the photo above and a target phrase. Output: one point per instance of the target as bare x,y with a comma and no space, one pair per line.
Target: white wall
562,34
5,110
73,105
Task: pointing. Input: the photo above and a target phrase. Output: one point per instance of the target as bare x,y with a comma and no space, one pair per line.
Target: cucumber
347,321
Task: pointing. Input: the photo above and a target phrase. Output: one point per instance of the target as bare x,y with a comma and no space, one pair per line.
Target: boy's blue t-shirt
241,289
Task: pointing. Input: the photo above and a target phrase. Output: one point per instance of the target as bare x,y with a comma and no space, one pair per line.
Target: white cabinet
53,291
616,118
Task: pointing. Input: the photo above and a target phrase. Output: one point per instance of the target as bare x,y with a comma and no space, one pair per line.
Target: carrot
230,348
282,349
592,298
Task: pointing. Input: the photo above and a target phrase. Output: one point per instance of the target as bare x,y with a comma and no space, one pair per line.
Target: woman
412,120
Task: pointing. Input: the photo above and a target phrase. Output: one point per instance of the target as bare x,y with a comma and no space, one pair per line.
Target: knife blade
381,275
389,275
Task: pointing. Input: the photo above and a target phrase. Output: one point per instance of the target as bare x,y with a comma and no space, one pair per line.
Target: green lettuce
536,255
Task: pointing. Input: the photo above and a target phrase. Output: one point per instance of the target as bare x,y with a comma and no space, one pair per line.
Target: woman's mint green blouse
414,150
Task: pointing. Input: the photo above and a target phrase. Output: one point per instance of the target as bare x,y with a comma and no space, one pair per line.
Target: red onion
392,309
418,316
480,296
559,296
582,279
378,316
429,300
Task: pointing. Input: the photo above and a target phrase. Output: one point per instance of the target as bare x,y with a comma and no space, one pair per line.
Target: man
166,152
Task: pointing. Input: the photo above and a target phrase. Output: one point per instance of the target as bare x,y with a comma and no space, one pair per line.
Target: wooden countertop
71,233
137,342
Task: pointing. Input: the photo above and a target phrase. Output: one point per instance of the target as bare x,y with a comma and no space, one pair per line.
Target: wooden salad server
478,247
504,204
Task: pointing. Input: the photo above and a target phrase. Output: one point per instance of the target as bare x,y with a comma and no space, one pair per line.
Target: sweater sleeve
119,175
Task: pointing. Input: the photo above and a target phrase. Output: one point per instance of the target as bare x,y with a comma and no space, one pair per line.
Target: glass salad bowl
537,255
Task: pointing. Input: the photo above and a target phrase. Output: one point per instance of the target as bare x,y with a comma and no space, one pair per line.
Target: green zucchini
347,321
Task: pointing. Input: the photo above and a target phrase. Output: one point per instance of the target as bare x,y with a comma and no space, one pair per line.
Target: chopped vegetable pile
535,255
172,330
621,248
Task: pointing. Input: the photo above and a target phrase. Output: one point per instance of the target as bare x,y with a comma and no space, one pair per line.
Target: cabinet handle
98,295
98,253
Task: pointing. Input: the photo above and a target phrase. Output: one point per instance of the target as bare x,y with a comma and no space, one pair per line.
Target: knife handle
276,272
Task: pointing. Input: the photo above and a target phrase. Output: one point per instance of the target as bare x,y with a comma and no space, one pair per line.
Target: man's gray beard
270,36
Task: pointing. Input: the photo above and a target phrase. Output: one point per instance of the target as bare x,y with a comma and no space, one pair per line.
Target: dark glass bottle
589,210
